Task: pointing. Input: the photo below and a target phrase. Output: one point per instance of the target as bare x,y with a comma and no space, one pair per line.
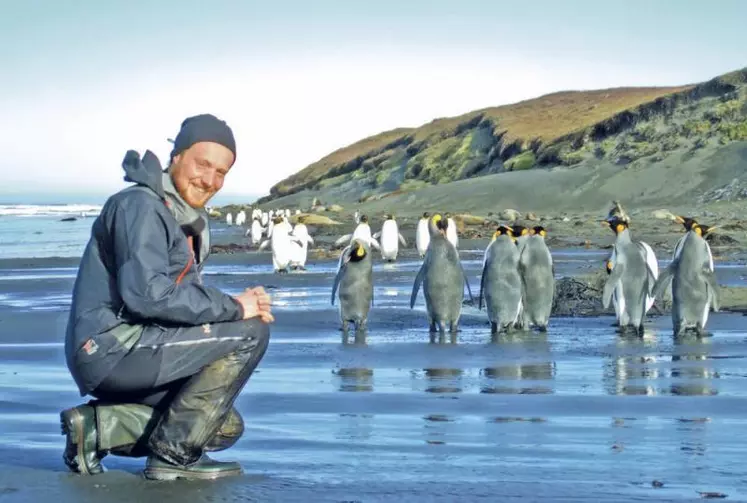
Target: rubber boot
81,455
196,413
97,429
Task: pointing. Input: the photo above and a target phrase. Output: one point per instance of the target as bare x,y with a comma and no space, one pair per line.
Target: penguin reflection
355,379
525,367
692,367
442,380
632,366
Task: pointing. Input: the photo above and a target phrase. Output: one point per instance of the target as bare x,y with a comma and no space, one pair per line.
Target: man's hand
256,302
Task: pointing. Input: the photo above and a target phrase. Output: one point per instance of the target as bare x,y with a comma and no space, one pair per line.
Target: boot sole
71,427
174,474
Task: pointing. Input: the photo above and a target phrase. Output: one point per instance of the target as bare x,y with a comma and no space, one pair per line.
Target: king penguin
422,234
300,246
500,282
694,287
537,276
355,284
630,278
443,279
281,242
390,239
362,231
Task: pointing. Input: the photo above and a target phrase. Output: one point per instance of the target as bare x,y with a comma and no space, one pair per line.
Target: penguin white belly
389,240
422,237
654,266
256,232
282,253
451,233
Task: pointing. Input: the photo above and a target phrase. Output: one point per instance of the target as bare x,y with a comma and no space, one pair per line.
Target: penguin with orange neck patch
354,280
537,276
630,279
694,288
500,282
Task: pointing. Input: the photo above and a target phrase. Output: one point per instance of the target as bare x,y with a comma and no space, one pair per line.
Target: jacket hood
146,171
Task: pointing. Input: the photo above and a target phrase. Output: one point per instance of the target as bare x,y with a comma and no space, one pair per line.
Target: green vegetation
525,160
564,128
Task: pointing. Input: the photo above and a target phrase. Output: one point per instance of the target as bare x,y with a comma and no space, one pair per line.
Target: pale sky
82,81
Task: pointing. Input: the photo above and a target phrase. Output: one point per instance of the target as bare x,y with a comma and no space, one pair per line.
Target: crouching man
163,355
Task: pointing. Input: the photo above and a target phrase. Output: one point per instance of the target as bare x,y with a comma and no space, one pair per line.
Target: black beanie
205,127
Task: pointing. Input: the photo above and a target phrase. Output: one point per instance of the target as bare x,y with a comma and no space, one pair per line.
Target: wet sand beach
577,414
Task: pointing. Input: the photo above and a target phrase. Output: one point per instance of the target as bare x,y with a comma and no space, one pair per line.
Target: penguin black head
690,224
616,223
538,230
442,223
389,217
504,230
277,220
364,219
519,230
357,251
426,215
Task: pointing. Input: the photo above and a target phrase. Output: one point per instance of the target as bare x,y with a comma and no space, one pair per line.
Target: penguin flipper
466,282
375,243
609,286
263,244
416,285
663,282
310,240
402,240
338,277
712,288
377,235
342,240
482,287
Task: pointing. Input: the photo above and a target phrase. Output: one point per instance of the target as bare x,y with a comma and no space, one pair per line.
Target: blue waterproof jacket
138,269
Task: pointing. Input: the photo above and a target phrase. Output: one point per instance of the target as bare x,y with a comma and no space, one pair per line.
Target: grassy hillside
628,127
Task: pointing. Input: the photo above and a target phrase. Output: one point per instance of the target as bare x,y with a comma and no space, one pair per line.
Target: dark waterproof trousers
191,376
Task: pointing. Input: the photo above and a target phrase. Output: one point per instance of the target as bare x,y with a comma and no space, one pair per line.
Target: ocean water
28,230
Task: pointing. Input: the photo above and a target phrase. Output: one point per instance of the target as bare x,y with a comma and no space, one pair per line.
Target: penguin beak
679,219
710,229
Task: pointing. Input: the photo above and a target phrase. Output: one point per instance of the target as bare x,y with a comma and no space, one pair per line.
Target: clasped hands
256,302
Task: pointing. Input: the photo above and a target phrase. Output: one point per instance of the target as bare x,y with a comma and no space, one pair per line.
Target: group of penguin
517,282
634,283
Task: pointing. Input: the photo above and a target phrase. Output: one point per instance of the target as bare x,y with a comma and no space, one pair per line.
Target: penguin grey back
535,265
500,284
694,286
354,280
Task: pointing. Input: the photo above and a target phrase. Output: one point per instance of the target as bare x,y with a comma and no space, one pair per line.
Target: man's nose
209,178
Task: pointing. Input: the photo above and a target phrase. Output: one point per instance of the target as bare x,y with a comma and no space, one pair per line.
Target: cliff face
620,126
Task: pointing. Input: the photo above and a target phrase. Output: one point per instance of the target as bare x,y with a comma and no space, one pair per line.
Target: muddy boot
196,414
124,429
81,455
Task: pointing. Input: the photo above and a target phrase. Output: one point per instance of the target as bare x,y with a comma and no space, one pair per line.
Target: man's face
198,172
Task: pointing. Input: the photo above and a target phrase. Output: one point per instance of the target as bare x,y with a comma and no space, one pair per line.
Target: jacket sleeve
141,249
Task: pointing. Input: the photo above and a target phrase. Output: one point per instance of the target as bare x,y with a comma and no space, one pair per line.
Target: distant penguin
451,230
390,239
630,279
689,223
229,219
362,231
282,248
354,280
443,279
300,247
256,231
536,270
500,282
694,287
357,216
422,235
241,217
